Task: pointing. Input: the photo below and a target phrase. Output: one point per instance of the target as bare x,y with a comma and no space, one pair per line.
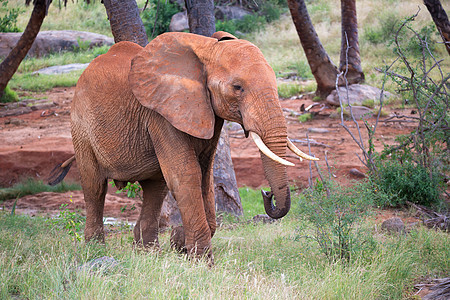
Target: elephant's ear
223,36
168,77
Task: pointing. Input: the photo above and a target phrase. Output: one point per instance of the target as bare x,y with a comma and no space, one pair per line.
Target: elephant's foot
177,239
177,242
94,235
145,236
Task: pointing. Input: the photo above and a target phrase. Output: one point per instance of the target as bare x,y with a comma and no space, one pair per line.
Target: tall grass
31,186
252,261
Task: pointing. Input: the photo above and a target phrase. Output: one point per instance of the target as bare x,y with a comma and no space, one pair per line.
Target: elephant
154,114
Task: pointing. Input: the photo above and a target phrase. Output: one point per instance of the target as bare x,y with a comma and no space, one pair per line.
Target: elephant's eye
238,88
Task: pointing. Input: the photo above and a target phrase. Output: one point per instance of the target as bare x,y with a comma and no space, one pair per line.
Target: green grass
264,261
31,186
9,96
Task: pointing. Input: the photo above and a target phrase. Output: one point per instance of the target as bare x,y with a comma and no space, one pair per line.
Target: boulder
393,225
53,41
357,94
179,22
230,12
54,70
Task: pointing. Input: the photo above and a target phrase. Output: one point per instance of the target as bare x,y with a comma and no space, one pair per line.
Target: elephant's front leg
184,179
147,226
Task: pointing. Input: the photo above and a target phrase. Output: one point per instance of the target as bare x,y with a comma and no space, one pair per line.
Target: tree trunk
126,24
440,18
322,67
350,62
201,17
9,66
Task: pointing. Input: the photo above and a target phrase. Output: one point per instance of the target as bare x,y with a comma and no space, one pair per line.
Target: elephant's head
191,79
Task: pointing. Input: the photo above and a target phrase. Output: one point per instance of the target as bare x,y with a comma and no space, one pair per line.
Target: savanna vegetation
329,246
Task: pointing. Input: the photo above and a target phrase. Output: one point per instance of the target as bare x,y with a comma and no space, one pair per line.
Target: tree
201,17
350,61
9,66
323,69
125,22
440,18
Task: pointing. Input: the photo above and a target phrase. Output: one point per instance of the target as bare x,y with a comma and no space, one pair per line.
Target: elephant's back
106,115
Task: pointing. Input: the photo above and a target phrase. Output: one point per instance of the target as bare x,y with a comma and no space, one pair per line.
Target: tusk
264,149
299,152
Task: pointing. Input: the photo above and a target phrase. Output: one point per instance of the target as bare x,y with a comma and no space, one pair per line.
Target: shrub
9,96
407,181
8,23
335,213
157,16
383,31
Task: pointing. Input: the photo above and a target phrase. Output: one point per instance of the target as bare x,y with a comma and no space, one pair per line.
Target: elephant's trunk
277,176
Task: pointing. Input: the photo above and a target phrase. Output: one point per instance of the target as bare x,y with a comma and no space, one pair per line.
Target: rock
104,264
357,94
179,22
53,41
230,12
61,69
357,173
318,130
358,112
262,218
393,225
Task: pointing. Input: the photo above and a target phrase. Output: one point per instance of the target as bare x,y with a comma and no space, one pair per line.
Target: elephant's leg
146,229
208,195
94,186
183,176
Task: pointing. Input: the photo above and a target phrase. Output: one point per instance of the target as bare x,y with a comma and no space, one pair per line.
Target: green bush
383,31
8,23
157,16
335,213
407,181
9,96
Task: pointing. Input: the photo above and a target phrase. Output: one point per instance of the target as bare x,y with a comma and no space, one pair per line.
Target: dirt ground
32,144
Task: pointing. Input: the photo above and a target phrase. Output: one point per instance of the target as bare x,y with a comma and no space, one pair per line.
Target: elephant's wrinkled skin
154,115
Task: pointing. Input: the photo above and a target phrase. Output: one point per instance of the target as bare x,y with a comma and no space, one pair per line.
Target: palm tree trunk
125,22
9,66
350,62
201,17
322,67
440,19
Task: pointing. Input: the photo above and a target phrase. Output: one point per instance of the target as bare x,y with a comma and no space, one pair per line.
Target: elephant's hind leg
147,226
94,186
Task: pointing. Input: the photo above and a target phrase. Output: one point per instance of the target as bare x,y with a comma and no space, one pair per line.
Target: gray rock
230,12
262,218
357,94
318,130
358,112
357,173
54,70
104,264
179,22
393,225
53,41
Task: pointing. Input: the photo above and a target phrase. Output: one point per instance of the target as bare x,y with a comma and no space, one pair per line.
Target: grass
32,186
262,261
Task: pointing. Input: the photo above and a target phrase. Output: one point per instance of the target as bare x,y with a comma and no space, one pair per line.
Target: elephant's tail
60,171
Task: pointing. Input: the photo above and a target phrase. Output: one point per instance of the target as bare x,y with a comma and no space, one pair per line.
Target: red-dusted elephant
154,115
